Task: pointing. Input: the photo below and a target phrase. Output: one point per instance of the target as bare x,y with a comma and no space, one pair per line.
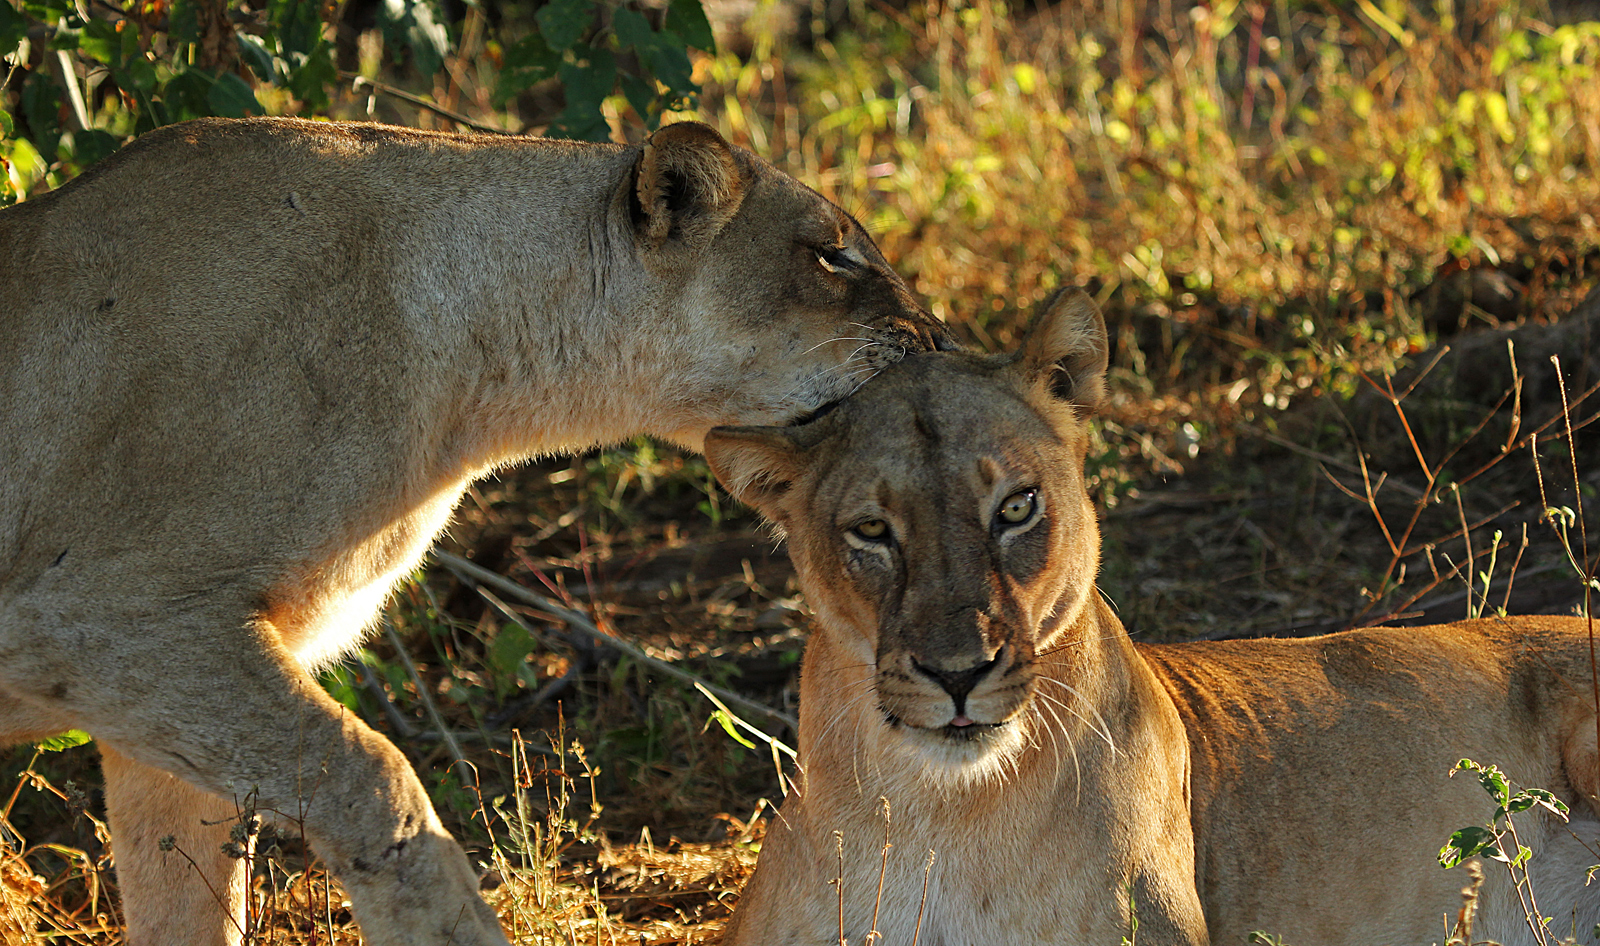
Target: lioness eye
834,261
873,530
1018,507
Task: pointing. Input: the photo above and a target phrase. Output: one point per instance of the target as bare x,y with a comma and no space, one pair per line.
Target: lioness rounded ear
1067,349
689,184
758,465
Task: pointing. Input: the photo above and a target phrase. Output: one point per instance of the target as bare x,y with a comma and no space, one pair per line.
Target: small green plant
1498,840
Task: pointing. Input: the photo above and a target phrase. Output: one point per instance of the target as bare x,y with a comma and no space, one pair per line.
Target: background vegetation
1279,203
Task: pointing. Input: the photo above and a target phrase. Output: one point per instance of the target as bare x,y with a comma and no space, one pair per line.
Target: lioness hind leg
191,893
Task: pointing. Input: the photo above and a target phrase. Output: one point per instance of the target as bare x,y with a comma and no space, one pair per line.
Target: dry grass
1275,202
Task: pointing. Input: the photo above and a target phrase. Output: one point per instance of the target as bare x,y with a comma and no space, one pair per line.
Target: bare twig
358,81
474,574
427,701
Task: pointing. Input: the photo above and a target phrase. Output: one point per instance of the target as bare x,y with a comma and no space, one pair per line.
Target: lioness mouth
967,733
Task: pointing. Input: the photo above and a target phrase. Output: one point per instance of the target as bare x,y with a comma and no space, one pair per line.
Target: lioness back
246,370
1317,761
968,697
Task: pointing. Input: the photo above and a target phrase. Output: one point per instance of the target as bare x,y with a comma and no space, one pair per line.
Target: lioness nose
925,333
957,683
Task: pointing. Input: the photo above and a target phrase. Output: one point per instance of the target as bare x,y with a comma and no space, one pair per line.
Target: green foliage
1488,840
79,81
594,49
1498,841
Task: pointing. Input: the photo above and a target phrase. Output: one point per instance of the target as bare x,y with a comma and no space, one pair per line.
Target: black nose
924,333
957,683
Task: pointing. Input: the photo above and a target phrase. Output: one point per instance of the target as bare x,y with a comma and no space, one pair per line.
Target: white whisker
841,338
1104,732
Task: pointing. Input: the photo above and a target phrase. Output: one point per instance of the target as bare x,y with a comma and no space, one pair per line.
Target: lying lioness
246,369
968,692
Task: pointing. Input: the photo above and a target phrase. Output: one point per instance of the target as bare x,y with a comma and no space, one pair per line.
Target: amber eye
1018,507
873,530
836,260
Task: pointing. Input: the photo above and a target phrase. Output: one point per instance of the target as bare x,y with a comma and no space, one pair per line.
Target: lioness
246,369
965,674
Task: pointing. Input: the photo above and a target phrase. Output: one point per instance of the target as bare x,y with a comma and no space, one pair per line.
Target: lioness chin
246,369
967,692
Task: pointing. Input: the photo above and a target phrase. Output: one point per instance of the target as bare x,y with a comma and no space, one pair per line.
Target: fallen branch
477,576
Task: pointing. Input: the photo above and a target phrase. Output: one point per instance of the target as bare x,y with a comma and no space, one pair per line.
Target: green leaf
510,648
669,64
687,18
1529,797
41,109
528,61
311,74
138,74
587,84
232,97
188,94
726,722
255,54
7,127
632,29
67,740
344,686
90,146
1491,778
563,22
100,42
13,27
641,95
297,25
1469,842
184,21
428,39
410,25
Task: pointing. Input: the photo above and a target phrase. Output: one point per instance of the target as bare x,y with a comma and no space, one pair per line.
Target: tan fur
246,369
1298,787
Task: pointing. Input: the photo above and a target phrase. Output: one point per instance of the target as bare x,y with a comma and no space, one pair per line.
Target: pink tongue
961,721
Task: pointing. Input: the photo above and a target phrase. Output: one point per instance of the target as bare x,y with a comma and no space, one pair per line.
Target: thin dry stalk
922,904
873,936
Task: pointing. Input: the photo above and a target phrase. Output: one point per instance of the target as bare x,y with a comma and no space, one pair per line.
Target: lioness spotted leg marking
963,666
246,369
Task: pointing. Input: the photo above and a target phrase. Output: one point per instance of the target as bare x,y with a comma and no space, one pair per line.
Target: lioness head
784,291
939,521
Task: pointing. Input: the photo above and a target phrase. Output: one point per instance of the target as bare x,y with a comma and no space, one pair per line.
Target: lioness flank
967,692
246,369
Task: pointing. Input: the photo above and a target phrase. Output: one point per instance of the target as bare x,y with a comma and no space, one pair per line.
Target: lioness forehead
948,410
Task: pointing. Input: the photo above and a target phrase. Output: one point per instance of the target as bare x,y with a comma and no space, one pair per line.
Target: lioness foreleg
239,719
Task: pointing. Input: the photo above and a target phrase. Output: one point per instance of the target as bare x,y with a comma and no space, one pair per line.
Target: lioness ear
758,465
1067,349
689,184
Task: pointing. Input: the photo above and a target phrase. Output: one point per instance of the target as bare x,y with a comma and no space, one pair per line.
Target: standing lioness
1076,788
246,369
